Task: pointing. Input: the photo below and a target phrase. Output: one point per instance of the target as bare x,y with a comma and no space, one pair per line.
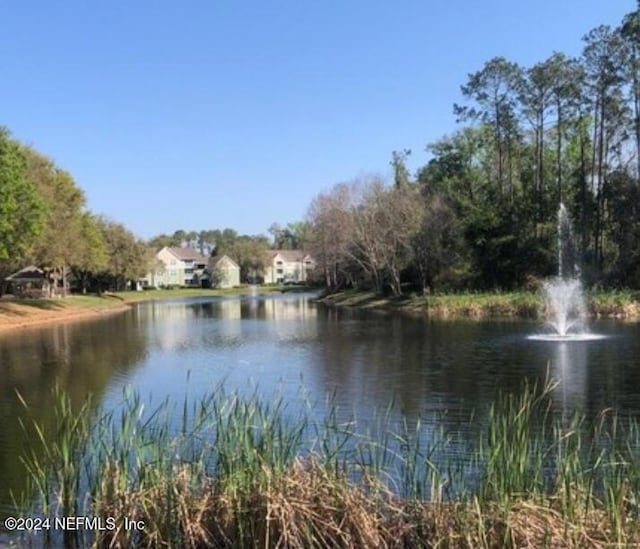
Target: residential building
225,272
178,267
288,266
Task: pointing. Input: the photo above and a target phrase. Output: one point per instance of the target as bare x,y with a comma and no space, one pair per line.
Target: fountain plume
563,295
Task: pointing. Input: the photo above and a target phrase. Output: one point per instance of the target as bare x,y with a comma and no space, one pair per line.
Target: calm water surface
285,346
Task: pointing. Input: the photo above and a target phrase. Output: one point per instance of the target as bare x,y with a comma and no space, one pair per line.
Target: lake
441,372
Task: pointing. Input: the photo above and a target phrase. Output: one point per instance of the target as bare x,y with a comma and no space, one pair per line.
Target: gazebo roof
28,273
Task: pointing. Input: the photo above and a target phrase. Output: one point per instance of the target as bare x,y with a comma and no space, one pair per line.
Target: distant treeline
482,212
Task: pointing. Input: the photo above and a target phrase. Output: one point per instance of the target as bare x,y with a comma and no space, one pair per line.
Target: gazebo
29,282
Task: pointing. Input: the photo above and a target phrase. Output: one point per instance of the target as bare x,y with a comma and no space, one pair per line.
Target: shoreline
18,316
26,313
522,305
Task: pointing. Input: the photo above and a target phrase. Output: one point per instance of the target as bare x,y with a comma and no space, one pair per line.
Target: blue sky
211,114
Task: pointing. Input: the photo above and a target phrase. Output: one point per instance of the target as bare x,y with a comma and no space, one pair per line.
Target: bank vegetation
228,471
481,305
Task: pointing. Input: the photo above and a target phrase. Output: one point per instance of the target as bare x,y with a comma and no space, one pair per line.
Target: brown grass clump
175,509
310,506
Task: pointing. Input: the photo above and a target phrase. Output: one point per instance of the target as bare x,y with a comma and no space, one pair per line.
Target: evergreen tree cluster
566,130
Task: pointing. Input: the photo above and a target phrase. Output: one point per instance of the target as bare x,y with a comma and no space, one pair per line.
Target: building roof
290,255
28,273
217,260
187,253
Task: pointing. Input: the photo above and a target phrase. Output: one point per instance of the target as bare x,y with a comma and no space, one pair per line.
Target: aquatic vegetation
226,471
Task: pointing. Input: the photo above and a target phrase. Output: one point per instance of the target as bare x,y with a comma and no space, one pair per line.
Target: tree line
44,221
481,213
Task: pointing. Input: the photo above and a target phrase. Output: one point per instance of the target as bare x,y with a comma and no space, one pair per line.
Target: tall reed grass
226,471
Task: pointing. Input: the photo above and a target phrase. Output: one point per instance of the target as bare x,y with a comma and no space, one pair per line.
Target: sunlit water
567,338
285,346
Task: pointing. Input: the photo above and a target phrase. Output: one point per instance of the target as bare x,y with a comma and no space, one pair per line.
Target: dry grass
236,474
310,507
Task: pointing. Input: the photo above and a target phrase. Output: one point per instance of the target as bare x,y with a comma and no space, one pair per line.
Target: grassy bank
623,304
233,472
523,304
31,312
88,301
148,295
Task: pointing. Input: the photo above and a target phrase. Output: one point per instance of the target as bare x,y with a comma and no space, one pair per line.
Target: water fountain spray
564,300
